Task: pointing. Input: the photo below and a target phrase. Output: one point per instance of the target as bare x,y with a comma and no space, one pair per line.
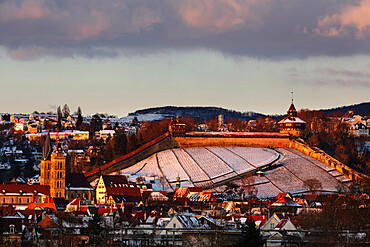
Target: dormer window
11,229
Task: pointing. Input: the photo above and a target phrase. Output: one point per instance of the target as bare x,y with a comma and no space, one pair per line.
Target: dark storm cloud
260,28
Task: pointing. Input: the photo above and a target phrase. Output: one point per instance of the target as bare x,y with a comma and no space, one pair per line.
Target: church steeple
46,151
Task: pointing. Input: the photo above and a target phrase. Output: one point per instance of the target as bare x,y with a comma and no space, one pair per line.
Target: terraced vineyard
286,170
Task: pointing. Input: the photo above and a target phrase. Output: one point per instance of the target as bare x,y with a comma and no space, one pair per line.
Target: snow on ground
191,167
197,165
305,170
267,190
343,179
285,180
170,166
292,153
237,163
256,156
210,163
335,173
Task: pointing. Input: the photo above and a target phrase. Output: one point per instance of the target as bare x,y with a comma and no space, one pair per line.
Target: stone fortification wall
186,142
163,143
327,159
167,142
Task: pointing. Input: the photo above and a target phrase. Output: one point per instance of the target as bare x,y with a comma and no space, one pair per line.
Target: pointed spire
292,96
292,112
46,152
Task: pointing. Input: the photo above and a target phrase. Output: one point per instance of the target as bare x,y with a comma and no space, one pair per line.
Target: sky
119,56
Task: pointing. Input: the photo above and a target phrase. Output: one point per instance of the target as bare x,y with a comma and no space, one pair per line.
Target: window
20,200
272,226
12,229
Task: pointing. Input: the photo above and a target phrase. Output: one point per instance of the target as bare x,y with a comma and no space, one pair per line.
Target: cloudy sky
117,56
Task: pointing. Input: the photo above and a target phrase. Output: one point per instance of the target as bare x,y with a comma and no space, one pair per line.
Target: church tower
53,168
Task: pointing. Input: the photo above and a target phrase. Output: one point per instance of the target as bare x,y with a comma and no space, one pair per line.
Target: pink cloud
217,14
144,19
31,9
355,18
92,25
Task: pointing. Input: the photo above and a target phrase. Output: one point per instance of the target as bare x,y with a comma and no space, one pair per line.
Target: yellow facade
100,190
53,173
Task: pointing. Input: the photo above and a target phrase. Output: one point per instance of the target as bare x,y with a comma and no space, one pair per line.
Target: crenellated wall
327,159
186,142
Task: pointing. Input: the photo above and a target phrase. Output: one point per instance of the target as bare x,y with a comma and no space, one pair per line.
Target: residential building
107,181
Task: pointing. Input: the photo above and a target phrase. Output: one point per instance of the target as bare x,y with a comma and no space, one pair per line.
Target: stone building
53,166
292,124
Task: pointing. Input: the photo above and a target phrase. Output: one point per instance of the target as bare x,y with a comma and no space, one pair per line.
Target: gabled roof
183,192
77,180
285,201
190,222
114,180
48,222
127,191
24,188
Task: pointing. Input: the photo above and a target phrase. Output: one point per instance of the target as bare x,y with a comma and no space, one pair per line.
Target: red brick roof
24,188
114,180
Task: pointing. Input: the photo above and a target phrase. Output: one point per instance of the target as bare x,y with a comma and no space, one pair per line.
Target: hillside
362,109
206,113
202,113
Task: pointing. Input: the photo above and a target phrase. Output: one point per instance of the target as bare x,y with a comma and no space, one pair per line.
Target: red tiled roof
47,222
114,180
292,108
77,180
24,188
281,224
184,191
128,191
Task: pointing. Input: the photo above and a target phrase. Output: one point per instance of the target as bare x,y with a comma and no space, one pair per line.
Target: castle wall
166,142
163,143
327,159
185,142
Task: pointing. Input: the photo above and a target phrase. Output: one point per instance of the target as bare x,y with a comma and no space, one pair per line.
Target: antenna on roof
292,96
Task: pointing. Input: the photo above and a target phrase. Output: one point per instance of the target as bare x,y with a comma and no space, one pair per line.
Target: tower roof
292,112
46,151
292,108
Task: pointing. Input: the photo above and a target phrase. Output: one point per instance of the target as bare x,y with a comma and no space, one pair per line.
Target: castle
292,124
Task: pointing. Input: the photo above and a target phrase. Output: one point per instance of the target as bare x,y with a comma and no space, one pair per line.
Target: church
53,168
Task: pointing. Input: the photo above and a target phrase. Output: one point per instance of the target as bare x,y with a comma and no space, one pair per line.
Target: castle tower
53,169
292,124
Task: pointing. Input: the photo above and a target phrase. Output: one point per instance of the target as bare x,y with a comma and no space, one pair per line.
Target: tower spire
46,151
292,96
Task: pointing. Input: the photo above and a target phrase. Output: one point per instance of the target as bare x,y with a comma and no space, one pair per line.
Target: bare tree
313,185
65,110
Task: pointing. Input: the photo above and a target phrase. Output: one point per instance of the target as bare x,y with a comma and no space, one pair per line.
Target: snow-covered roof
292,120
